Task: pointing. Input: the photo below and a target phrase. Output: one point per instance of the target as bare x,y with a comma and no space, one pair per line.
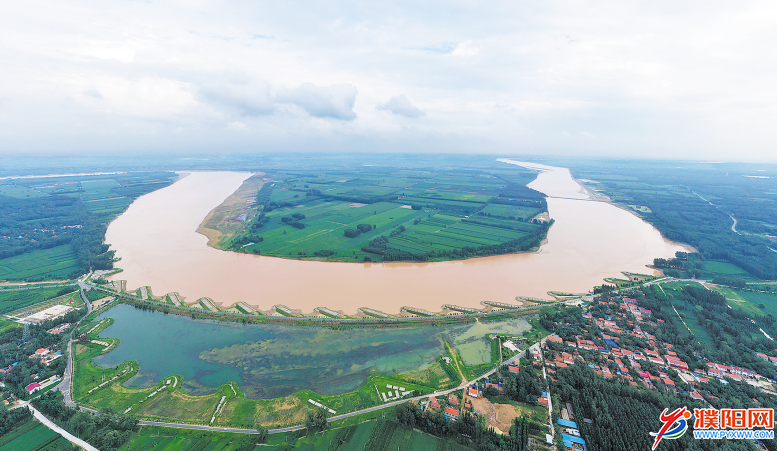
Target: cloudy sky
667,79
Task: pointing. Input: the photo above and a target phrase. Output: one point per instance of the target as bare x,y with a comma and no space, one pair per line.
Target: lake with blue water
270,360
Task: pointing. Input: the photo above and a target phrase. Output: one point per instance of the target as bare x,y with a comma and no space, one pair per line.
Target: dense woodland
694,203
42,223
49,212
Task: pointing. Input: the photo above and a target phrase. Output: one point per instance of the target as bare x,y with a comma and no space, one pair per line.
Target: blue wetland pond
270,361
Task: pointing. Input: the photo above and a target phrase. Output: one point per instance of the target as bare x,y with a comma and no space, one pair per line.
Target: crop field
756,303
374,435
19,192
418,214
168,439
54,263
688,314
54,227
715,268
15,300
33,436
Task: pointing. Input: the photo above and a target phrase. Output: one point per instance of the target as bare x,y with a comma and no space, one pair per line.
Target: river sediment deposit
159,246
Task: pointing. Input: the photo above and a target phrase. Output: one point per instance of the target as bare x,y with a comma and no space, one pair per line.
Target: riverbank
229,219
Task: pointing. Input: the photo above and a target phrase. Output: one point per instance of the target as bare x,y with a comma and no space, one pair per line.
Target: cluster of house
46,355
645,350
570,435
9,367
59,329
37,386
768,358
394,392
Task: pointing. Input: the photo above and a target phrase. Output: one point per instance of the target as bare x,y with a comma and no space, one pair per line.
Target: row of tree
107,431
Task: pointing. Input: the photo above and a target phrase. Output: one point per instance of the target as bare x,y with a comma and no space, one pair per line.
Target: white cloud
106,50
237,126
465,49
147,96
654,79
334,101
400,105
249,98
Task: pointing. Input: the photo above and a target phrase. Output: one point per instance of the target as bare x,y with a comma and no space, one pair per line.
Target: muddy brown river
158,244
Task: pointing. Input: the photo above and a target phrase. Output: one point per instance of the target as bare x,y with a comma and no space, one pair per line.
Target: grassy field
371,434
712,269
756,303
374,435
55,263
15,300
33,436
419,211
168,439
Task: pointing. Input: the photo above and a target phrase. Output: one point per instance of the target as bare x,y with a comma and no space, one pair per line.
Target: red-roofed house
453,399
33,387
472,392
513,368
451,413
433,402
668,381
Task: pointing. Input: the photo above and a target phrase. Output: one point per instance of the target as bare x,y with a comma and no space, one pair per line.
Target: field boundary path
67,435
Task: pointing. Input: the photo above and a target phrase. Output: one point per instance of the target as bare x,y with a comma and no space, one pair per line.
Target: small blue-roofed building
569,440
610,342
567,423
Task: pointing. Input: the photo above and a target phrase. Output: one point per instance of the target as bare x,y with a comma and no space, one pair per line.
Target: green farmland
393,214
54,263
368,435
13,300
33,436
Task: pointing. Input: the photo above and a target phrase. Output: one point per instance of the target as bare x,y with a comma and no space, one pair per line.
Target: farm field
368,435
54,227
389,214
752,302
15,300
712,269
33,436
54,263
374,435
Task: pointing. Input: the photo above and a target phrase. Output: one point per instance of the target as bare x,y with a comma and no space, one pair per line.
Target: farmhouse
451,413
472,391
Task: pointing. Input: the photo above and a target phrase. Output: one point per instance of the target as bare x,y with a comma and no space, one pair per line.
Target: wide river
158,244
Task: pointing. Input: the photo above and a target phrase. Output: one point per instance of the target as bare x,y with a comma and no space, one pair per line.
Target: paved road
66,385
68,436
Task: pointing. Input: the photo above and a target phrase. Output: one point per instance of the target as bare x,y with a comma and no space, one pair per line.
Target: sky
652,79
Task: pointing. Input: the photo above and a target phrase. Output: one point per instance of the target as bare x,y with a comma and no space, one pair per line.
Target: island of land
382,214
